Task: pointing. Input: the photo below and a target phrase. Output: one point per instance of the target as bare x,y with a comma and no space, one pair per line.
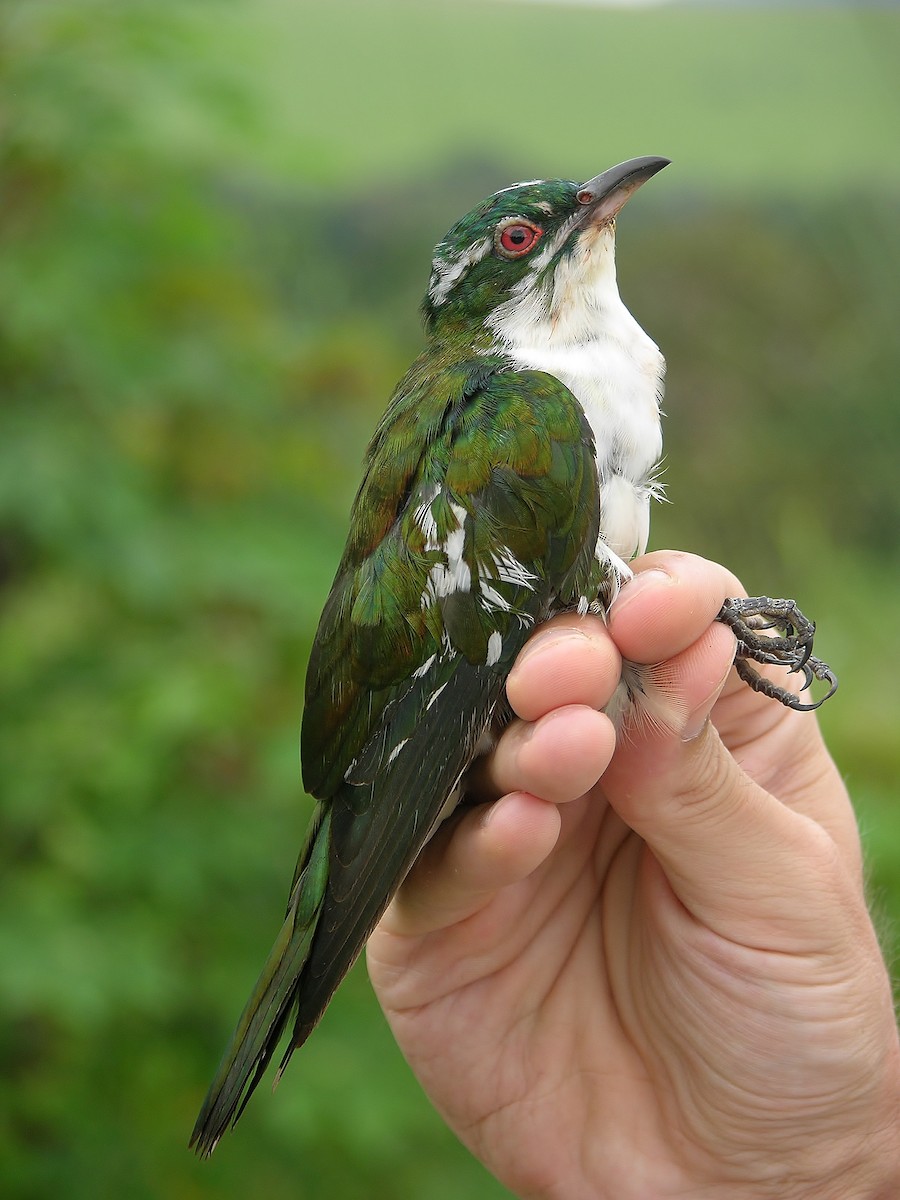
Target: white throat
581,332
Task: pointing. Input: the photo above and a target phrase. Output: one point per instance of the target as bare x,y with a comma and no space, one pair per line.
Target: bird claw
750,619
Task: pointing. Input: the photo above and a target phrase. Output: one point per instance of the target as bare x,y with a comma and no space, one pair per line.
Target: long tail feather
369,833
263,1020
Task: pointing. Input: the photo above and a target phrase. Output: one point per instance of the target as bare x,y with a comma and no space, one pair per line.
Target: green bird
509,479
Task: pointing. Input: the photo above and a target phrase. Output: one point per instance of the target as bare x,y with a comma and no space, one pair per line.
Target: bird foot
790,647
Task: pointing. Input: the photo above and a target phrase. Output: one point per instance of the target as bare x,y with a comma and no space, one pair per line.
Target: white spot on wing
494,648
425,667
509,570
453,576
424,518
396,750
492,599
434,696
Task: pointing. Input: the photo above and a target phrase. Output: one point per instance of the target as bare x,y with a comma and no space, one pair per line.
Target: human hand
665,983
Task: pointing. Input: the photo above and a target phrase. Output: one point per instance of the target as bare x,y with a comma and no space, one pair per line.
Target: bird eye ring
516,237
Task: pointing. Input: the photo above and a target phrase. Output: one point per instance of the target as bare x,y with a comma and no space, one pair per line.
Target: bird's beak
605,194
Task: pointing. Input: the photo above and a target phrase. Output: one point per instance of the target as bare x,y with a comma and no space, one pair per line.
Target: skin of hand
648,970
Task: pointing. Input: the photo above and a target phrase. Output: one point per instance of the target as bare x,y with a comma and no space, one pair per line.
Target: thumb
742,863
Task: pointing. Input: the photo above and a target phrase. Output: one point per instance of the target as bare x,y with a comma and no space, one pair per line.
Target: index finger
570,660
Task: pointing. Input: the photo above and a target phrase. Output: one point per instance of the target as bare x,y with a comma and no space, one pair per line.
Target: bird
510,479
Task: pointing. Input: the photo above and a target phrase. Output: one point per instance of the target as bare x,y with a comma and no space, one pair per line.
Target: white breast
584,335
581,332
617,377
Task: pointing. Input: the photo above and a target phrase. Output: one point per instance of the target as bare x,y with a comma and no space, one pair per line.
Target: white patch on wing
502,566
508,569
449,805
434,696
453,576
494,648
396,750
492,599
425,667
424,518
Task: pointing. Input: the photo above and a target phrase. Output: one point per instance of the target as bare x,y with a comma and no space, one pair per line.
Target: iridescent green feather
504,461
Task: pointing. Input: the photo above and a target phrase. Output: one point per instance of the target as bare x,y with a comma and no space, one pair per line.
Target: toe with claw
790,646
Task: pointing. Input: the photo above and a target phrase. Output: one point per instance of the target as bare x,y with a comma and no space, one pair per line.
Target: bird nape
509,479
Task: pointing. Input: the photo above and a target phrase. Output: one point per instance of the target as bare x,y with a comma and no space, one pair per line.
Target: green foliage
194,348
769,97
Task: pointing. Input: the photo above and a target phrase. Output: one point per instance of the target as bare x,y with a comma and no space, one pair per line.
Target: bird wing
466,532
472,516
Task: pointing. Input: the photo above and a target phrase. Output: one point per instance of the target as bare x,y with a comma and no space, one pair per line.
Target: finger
570,660
559,757
671,599
467,863
670,602
784,753
740,861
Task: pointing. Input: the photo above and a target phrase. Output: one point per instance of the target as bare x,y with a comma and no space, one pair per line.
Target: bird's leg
790,647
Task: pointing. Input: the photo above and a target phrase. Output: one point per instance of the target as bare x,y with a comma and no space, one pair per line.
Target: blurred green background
216,221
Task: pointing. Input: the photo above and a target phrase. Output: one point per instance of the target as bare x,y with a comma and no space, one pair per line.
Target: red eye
518,238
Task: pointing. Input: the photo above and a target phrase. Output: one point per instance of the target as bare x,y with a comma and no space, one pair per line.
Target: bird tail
263,1020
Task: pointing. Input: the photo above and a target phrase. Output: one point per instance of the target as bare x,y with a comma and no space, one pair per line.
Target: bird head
537,251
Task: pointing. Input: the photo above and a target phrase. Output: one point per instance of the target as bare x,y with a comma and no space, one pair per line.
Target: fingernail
696,721
653,577
491,810
552,636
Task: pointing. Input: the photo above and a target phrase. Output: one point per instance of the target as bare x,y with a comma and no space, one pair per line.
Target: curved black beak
605,194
